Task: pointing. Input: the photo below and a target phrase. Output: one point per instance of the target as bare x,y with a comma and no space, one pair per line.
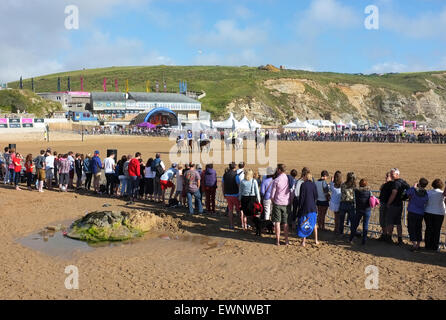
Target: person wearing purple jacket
265,192
418,199
210,187
280,196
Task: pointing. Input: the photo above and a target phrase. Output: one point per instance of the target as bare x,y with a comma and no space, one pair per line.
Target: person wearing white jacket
434,215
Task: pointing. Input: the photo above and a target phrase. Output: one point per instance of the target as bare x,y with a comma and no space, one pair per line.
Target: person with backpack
363,210
96,169
394,207
418,198
158,167
210,187
230,188
166,181
347,204
323,198
192,181
40,169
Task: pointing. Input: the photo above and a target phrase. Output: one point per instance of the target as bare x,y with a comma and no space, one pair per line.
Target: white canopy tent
351,125
230,123
321,123
341,124
255,125
295,125
244,124
301,126
310,127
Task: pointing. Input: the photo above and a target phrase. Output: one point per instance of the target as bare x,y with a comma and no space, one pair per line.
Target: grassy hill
12,101
326,94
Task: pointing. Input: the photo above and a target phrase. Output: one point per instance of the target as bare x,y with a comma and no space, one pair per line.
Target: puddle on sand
54,243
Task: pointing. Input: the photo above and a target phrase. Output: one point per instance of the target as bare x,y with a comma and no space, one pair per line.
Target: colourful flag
58,84
69,84
147,86
21,83
165,86
82,83
127,85
105,85
116,85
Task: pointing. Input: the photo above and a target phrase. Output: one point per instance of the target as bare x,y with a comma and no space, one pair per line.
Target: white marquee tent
255,125
244,124
230,123
351,125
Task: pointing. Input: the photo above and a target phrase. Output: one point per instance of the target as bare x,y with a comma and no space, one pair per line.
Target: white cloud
243,12
34,38
389,67
323,15
424,25
226,34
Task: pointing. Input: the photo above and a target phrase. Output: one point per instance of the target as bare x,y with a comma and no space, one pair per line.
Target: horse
205,144
181,145
190,143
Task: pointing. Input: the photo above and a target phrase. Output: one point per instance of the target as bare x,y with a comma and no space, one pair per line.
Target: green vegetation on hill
225,84
13,101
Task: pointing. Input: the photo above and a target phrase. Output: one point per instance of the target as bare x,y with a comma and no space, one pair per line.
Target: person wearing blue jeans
192,183
197,198
348,208
363,210
347,204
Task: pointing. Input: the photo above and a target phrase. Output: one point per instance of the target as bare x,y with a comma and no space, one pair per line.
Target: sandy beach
209,261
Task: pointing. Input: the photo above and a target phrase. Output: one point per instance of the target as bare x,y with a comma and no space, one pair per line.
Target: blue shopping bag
306,225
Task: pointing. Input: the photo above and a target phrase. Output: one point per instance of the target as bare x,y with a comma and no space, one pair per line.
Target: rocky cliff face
288,98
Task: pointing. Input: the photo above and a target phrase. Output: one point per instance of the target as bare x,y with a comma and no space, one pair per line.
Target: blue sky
316,35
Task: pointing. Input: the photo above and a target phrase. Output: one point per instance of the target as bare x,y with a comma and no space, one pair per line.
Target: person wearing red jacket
134,174
17,162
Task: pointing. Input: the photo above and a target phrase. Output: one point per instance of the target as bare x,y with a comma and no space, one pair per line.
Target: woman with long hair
308,207
323,197
17,162
121,176
347,205
335,198
249,194
29,168
363,210
149,180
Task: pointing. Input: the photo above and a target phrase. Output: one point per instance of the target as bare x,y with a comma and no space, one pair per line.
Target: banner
3,123
15,125
27,123
14,121
39,120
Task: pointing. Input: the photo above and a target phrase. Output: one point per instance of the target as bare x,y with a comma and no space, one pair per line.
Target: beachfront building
70,100
119,104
